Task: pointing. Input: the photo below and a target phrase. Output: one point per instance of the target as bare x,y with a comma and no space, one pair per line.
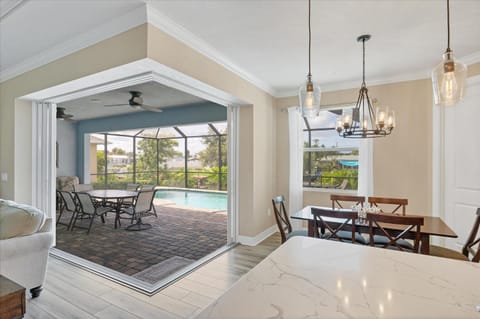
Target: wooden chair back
281,217
473,239
333,229
398,202
409,223
338,199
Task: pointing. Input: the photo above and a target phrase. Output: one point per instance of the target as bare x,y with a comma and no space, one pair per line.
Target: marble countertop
315,278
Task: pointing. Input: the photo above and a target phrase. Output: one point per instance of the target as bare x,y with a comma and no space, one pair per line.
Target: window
190,156
329,161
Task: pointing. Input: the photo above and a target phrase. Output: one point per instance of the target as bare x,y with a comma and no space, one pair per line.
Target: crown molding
167,25
105,31
409,76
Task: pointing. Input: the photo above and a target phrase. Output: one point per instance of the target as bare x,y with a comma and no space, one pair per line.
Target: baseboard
253,241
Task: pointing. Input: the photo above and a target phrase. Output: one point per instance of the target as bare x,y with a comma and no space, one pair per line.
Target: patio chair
142,207
88,208
68,204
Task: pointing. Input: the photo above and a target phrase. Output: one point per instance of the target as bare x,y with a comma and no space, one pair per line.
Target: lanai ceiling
264,41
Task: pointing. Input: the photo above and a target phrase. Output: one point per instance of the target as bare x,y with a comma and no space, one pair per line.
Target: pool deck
178,231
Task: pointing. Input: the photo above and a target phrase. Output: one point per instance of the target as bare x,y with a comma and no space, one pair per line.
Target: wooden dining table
115,196
432,226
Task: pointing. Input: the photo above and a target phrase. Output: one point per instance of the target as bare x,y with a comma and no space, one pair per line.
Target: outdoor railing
330,181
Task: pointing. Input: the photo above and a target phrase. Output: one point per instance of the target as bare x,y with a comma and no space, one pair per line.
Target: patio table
116,196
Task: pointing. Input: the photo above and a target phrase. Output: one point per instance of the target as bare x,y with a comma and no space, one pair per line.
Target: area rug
162,270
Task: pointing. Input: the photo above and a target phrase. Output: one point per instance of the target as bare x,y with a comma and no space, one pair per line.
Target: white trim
253,241
167,25
141,71
233,119
43,158
105,31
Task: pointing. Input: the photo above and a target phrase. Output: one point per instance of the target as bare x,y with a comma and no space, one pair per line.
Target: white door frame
137,72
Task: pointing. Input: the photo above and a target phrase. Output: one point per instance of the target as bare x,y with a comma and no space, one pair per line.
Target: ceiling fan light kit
363,121
449,77
136,101
61,115
309,93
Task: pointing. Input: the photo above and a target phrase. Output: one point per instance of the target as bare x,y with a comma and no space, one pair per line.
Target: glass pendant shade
448,80
309,99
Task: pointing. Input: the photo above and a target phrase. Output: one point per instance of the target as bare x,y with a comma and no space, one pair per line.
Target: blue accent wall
182,115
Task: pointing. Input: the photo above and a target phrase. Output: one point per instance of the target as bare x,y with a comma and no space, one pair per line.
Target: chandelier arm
372,114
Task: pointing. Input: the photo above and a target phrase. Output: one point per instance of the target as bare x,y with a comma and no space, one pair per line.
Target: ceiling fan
61,115
136,101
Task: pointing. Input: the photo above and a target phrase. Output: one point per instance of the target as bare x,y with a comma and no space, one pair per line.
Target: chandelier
362,121
309,93
448,78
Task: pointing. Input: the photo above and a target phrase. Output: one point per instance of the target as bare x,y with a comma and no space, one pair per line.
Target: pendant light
449,77
362,121
309,93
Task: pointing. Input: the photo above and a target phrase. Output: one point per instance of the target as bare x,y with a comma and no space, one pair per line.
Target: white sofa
25,239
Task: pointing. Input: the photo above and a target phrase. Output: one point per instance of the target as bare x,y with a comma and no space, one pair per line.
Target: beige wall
15,116
257,121
402,161
257,126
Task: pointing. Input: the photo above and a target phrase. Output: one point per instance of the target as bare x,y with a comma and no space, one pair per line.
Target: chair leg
62,208
91,223
103,218
74,214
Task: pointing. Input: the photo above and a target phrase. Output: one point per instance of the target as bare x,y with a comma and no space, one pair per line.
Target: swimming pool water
208,200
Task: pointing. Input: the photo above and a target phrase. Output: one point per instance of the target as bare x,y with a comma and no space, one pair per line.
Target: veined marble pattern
314,278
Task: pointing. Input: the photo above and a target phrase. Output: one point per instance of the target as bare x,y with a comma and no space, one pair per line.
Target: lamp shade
309,99
448,80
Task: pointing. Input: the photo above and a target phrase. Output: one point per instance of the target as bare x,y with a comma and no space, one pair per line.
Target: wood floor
71,292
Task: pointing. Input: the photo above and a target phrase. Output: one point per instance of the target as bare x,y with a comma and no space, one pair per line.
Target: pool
194,199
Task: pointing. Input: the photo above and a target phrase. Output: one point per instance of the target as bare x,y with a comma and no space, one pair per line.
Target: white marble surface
314,278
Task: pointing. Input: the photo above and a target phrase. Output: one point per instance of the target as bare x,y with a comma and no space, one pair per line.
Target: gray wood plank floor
71,292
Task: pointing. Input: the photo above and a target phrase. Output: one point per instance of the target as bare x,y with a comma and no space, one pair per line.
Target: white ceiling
266,41
153,94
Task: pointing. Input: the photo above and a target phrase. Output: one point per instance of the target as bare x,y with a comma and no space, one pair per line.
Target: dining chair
398,202
396,239
333,229
339,200
68,204
469,253
142,207
88,208
283,220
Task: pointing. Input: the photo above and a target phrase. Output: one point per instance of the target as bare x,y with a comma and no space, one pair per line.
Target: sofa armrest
47,226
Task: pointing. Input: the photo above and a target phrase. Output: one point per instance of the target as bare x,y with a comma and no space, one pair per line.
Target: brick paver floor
177,231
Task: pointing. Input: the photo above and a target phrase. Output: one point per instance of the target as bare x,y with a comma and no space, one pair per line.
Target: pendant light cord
448,26
309,41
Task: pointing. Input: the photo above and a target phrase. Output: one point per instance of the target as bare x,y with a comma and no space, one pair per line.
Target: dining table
432,226
315,278
116,197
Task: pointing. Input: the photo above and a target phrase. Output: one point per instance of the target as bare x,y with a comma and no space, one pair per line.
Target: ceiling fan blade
151,108
107,105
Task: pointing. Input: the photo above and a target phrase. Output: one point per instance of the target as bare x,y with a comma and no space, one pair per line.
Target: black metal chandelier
362,121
